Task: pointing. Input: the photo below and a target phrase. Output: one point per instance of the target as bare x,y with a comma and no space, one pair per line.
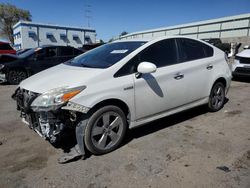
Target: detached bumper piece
51,125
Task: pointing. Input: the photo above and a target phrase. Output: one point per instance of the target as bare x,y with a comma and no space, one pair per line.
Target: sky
111,17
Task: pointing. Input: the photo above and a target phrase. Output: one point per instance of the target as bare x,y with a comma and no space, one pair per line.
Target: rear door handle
209,67
179,76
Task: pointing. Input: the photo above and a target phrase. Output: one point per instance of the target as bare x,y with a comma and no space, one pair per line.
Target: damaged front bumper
51,125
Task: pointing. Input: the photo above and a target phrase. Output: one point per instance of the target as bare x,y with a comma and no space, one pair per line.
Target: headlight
1,66
54,98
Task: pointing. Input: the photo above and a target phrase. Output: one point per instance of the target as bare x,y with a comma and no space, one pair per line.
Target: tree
10,15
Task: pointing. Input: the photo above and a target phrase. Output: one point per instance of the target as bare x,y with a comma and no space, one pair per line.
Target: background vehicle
241,64
225,47
16,68
87,47
122,85
19,52
5,48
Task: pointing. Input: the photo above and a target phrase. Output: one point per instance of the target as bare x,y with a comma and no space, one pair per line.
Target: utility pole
87,13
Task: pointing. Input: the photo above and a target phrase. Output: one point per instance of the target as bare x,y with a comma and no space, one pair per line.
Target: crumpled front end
52,123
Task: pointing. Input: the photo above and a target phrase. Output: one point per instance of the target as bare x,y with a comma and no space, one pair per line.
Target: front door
164,89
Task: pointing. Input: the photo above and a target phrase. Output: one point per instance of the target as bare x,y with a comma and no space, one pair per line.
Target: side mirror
146,67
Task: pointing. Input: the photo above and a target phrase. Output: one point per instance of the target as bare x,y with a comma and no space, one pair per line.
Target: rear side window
5,46
65,51
192,50
209,51
51,52
77,52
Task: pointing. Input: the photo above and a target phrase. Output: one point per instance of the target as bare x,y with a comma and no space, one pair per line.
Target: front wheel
216,97
16,76
105,130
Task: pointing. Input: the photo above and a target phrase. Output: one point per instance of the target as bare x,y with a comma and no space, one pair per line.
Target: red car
5,48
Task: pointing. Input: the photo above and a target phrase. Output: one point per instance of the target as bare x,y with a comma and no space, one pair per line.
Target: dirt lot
183,150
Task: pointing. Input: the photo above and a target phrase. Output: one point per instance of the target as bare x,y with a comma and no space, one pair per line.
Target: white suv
121,85
241,64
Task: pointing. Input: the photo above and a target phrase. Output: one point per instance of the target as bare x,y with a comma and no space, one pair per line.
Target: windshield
106,55
27,53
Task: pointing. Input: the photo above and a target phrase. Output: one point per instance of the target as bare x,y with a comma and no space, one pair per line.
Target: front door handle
179,76
209,67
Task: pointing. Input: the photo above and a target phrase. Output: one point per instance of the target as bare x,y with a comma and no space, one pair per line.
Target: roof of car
153,38
48,45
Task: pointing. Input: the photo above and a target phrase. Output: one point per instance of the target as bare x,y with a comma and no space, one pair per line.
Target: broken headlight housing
55,98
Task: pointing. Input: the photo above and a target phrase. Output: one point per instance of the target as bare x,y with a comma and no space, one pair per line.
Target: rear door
197,68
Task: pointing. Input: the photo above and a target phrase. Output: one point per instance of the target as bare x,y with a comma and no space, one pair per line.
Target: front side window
162,54
106,55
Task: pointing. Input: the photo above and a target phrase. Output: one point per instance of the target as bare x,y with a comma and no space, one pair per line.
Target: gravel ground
190,149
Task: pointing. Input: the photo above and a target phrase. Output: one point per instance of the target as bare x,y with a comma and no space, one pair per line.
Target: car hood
4,58
59,76
244,53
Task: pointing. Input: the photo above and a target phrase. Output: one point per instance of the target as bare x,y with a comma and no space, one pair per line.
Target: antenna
88,12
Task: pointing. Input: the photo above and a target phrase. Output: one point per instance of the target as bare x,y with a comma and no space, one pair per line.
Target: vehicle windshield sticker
118,51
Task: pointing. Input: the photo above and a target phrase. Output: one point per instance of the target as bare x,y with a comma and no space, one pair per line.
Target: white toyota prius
121,85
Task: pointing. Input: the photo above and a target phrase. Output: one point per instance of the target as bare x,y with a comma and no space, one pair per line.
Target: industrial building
231,27
31,35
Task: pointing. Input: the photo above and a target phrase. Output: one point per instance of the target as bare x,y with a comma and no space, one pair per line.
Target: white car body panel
236,63
162,95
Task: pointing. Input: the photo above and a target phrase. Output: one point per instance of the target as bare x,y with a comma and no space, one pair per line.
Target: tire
100,135
16,76
216,97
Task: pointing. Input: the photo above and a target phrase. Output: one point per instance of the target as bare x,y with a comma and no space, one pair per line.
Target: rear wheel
105,130
217,97
16,76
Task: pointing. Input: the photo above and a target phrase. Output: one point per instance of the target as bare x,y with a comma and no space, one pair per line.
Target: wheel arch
222,80
18,68
116,102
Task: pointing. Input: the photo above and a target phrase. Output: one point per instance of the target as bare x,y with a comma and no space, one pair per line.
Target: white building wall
211,27
232,26
27,41
41,35
209,35
17,38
